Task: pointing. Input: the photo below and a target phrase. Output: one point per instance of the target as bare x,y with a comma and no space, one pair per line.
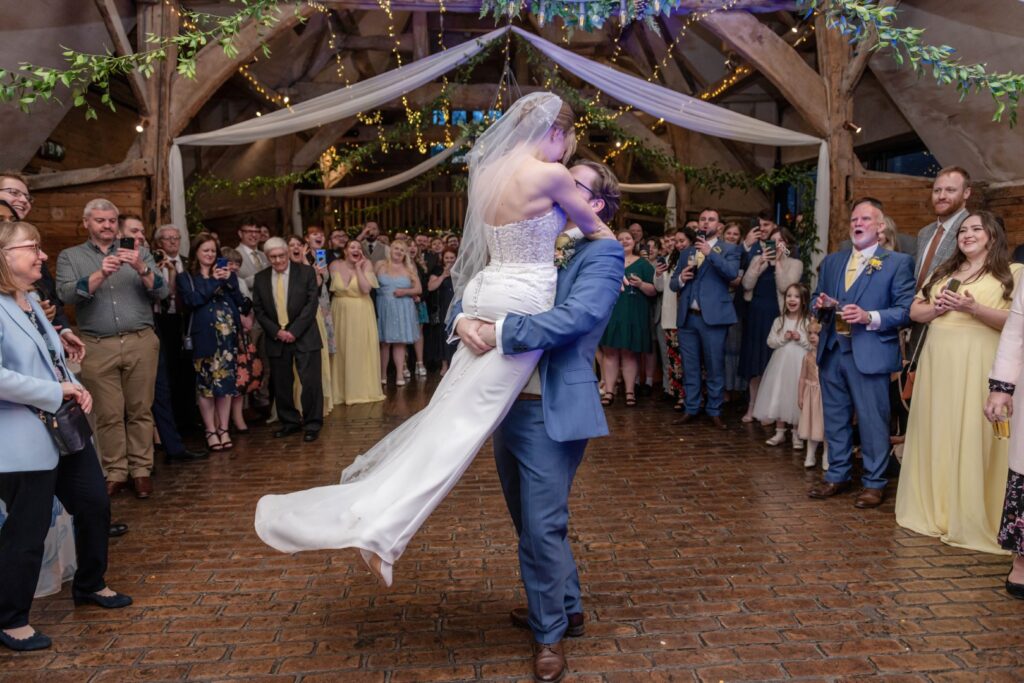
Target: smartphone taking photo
126,243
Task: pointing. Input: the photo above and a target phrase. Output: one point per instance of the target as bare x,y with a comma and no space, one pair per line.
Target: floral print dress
216,375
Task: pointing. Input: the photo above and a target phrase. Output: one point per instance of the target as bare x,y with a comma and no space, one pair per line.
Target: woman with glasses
34,380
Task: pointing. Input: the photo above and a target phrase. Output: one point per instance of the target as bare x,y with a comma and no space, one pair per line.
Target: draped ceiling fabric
682,110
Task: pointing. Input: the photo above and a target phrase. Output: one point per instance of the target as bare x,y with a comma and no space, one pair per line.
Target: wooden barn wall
1007,200
87,144
57,212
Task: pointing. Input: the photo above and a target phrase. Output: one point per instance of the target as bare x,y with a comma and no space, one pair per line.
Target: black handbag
69,427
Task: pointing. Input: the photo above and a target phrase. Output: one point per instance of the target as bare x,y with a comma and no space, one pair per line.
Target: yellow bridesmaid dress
355,372
953,474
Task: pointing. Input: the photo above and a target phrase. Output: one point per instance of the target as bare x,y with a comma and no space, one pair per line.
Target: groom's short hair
606,188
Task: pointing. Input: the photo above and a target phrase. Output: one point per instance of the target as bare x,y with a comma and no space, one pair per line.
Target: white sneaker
778,439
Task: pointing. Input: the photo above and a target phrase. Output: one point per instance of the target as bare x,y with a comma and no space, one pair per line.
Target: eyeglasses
17,194
33,245
593,194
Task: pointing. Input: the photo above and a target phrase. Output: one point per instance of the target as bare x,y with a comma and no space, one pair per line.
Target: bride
519,196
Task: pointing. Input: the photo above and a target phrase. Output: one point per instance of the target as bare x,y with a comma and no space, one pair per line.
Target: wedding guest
7,213
770,270
937,242
248,366
952,476
812,421
113,291
254,261
868,290
357,356
452,242
264,231
300,252
339,238
637,232
397,319
211,292
170,319
285,302
668,339
779,398
628,334
705,313
374,248
31,470
441,293
1005,375
734,383
651,251
419,262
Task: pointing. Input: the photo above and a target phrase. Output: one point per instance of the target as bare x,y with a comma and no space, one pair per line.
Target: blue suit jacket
888,290
711,284
588,287
28,384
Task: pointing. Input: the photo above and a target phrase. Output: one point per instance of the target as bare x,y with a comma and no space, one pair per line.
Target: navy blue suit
704,332
855,369
539,444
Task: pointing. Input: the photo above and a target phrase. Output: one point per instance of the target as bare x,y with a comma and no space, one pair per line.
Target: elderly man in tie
863,298
285,302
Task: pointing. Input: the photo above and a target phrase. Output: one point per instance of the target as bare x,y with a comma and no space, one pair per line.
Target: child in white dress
778,397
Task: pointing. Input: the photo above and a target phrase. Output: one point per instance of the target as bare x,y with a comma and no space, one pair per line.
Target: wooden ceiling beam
123,47
777,61
473,6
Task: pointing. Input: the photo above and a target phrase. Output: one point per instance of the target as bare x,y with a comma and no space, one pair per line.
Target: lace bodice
528,241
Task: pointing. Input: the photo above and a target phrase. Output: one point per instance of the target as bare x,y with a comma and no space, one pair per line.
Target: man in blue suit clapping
863,298
705,313
540,443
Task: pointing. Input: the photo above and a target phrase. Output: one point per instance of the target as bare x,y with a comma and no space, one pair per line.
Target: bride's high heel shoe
377,566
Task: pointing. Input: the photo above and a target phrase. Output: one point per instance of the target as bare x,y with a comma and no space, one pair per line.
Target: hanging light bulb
657,7
622,12
583,14
541,17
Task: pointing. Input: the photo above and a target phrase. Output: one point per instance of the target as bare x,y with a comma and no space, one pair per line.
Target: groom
541,442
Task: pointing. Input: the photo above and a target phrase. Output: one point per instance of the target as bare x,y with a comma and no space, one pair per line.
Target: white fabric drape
358,97
376,186
693,114
676,108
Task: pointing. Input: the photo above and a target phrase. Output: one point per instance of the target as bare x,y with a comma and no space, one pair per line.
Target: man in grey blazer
936,242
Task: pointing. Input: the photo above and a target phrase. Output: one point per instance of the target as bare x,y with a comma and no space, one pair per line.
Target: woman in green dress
628,334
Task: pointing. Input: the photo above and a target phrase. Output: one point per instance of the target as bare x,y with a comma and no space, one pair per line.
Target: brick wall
58,212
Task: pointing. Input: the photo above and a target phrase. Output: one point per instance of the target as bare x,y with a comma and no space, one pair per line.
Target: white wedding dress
387,493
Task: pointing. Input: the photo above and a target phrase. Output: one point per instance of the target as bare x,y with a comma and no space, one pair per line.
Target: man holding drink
863,298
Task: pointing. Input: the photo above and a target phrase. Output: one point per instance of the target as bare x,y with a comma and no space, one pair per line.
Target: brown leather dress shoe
548,662
717,421
115,487
687,418
520,617
827,489
869,498
143,487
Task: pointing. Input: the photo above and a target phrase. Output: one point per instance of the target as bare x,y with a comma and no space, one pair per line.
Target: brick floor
700,556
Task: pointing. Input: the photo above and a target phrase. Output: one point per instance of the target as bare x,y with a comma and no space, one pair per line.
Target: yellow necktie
851,270
700,259
279,301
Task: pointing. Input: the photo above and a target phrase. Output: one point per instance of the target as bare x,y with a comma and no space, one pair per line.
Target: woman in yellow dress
954,469
356,365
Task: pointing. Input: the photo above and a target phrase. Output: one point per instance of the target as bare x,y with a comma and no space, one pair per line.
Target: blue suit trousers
697,338
844,389
536,476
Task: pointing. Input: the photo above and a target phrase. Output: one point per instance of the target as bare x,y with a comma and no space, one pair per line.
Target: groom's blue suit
540,444
855,369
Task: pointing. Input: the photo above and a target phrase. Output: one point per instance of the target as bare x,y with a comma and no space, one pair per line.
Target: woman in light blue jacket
34,377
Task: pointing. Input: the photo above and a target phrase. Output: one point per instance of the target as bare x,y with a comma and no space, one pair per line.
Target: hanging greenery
29,83
854,17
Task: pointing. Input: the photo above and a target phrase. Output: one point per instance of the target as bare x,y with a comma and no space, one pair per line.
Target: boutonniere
875,263
565,249
717,249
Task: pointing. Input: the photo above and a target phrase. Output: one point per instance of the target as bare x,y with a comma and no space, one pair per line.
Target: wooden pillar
156,137
833,59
